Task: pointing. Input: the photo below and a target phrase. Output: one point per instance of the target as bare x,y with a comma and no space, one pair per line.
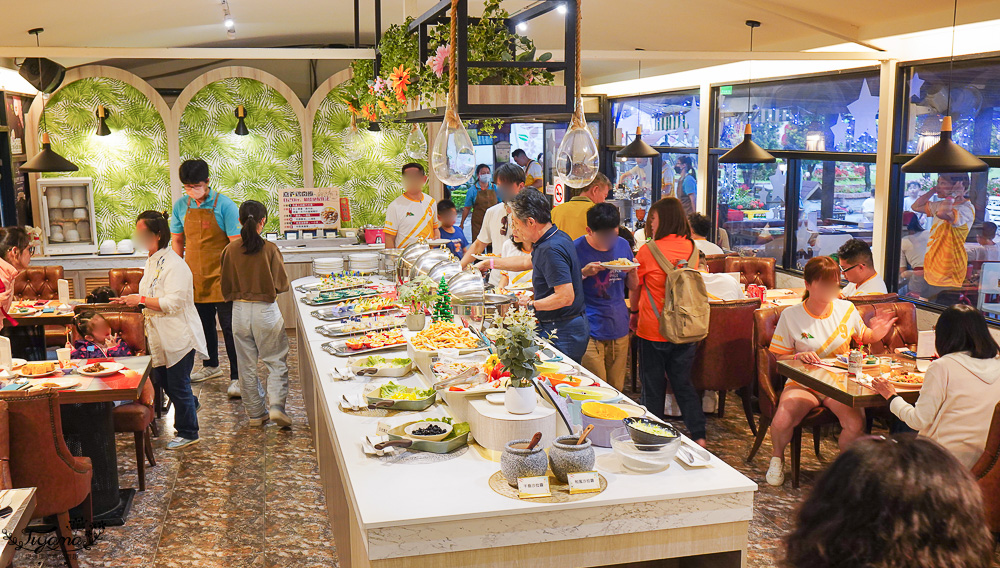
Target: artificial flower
400,79
382,107
437,61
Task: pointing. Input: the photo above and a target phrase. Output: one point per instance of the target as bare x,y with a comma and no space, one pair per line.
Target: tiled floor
251,496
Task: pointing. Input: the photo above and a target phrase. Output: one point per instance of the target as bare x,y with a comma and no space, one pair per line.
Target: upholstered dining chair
904,331
125,281
725,359
866,299
40,458
127,325
137,418
752,269
987,474
770,384
42,283
5,481
717,262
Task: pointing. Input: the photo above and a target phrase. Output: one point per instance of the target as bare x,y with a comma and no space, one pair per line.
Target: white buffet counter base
416,510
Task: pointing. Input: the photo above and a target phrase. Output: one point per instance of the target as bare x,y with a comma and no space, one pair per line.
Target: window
669,119
634,185
836,204
751,213
820,114
680,179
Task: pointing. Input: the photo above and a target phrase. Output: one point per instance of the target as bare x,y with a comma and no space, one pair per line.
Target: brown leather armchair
770,386
752,269
127,325
903,332
125,281
717,262
5,481
873,299
987,474
40,458
38,283
137,418
725,359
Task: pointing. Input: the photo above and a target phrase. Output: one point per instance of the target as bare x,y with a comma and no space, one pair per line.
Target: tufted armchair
903,332
987,474
38,283
717,262
770,386
725,359
128,326
752,269
873,299
125,281
5,482
137,418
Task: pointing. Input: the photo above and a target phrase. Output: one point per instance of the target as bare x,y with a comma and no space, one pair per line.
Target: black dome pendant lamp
638,147
47,160
946,157
747,151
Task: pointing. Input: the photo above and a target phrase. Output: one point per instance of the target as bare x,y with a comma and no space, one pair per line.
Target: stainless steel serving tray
340,349
320,287
329,330
326,302
326,314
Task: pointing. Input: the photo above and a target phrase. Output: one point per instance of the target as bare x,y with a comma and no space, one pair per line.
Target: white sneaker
234,390
670,407
178,443
710,402
279,417
776,472
205,373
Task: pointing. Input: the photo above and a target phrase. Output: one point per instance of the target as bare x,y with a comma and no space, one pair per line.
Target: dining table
89,430
832,381
22,504
28,337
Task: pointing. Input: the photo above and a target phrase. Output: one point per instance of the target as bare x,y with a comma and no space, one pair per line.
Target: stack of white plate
327,266
363,262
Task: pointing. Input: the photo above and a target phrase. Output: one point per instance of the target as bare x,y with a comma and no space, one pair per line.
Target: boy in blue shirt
447,215
604,294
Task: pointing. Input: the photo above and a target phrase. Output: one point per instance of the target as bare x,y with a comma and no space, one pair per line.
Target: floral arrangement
384,98
516,339
743,199
418,292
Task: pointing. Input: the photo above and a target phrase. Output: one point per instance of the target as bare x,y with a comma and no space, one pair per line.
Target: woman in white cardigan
173,330
961,388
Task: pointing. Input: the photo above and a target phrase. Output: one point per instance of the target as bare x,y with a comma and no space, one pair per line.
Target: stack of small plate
363,262
327,266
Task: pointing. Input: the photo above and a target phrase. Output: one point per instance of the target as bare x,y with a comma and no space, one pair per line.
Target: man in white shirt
532,170
413,215
720,287
701,226
497,225
987,250
855,257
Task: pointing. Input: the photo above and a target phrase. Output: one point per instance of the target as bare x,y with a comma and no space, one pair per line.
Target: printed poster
309,209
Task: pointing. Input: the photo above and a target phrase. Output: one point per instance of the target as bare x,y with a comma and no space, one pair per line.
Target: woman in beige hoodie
960,389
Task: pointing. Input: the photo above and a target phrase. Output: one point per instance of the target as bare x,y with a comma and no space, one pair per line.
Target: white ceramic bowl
66,203
644,458
435,438
72,236
108,247
80,213
125,246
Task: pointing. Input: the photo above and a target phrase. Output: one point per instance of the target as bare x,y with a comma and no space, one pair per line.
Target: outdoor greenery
370,176
255,166
129,167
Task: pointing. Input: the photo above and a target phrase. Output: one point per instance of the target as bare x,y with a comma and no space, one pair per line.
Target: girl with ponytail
253,274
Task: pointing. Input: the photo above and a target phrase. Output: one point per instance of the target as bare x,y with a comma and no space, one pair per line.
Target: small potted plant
515,336
418,293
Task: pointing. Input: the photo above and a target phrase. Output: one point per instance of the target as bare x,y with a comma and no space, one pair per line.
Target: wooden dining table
838,386
30,343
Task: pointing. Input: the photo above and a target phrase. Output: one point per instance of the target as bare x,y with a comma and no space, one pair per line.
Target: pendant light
638,148
747,151
578,157
453,157
241,126
416,144
945,156
102,121
47,160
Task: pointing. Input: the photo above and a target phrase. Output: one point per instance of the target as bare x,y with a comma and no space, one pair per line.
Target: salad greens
378,361
457,428
392,391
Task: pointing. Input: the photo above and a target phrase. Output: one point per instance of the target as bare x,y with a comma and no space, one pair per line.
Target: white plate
61,383
495,397
483,257
610,266
109,369
18,312
35,376
17,362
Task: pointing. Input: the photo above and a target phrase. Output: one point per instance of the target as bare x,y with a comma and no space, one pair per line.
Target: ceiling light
561,9
241,126
47,160
102,121
229,23
747,151
638,148
522,26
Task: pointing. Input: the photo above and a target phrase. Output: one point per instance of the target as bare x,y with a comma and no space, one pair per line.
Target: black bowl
640,437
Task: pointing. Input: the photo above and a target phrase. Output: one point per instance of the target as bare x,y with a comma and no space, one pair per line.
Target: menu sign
311,208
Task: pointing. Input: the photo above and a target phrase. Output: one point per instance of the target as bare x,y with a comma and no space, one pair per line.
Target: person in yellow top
946,261
413,215
532,170
821,326
571,216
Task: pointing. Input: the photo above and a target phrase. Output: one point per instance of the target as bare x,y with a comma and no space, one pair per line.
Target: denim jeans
207,313
176,382
661,361
259,331
572,336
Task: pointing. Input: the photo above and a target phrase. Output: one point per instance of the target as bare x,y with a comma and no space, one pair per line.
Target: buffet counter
414,510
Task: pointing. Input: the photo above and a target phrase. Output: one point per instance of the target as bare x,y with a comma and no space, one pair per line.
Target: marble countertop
399,499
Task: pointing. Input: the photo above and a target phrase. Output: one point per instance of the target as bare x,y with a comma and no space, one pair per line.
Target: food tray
408,405
326,314
326,302
339,349
381,371
328,332
320,287
442,447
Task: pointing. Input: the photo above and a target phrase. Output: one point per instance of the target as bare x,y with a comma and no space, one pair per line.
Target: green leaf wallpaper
129,167
371,179
255,166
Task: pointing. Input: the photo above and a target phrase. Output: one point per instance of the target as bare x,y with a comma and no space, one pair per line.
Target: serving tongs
466,376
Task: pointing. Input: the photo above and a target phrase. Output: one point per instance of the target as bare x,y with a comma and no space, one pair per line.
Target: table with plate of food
408,408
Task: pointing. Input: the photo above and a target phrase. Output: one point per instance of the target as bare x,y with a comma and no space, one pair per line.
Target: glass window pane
751,212
669,119
831,113
836,204
634,186
975,97
680,179
948,250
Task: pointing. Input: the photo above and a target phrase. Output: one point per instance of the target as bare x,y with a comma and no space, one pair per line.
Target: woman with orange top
661,361
821,326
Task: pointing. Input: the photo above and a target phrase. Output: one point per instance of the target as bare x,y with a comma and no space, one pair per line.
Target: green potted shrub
516,339
417,293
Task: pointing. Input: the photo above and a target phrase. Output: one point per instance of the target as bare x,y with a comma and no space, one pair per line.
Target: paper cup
62,354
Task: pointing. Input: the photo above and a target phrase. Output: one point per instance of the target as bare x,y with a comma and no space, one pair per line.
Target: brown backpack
685,314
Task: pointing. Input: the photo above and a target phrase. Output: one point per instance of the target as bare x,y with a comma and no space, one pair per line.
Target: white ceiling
709,25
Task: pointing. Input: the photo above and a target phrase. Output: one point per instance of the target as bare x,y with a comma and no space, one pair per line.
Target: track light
522,26
102,121
228,22
241,126
561,9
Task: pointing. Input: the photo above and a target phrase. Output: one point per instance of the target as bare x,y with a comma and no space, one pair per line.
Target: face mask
485,178
677,169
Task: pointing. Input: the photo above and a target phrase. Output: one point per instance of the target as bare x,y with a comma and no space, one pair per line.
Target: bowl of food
645,431
401,397
643,458
547,367
606,418
379,366
429,431
599,394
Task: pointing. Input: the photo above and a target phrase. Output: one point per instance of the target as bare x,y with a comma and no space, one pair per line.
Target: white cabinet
67,216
